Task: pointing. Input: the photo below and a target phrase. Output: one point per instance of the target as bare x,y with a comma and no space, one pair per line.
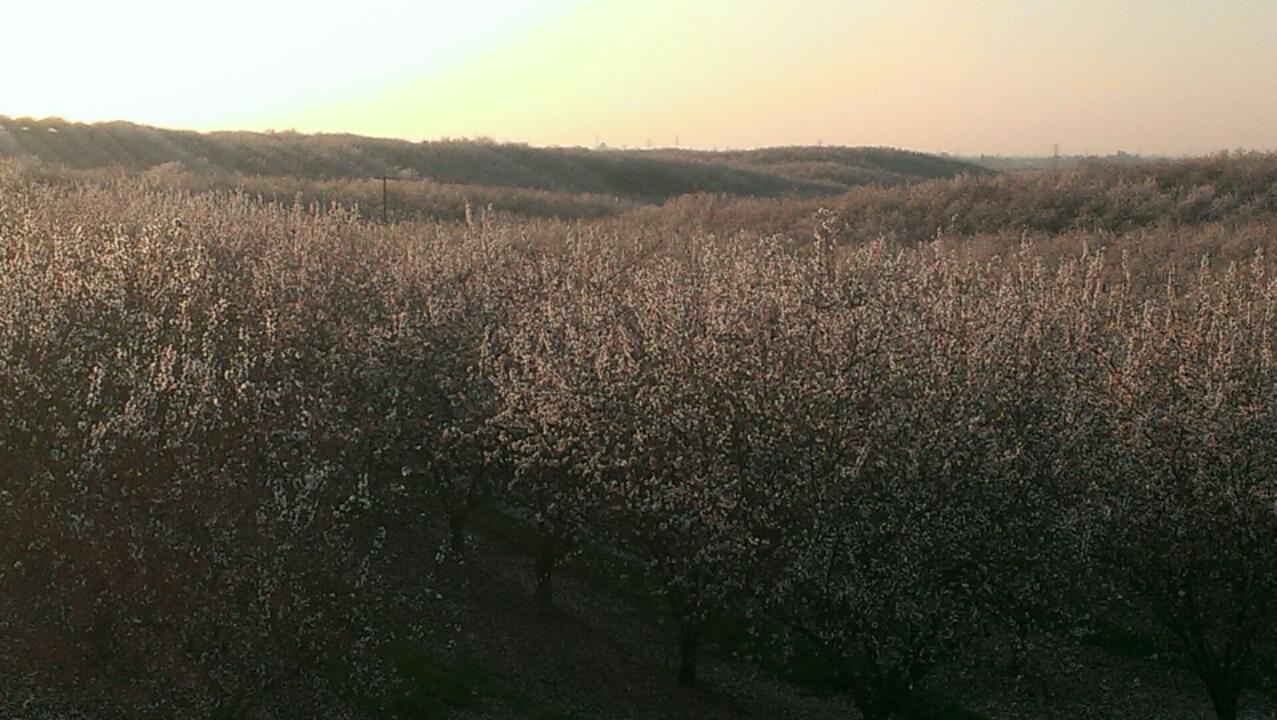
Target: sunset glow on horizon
982,77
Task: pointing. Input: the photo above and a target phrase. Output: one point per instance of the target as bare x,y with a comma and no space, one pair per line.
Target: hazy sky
962,76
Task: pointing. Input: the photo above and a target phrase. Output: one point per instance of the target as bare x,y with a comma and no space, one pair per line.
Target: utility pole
384,204
1056,159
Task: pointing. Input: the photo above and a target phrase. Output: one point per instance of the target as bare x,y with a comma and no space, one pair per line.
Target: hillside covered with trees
632,175
275,460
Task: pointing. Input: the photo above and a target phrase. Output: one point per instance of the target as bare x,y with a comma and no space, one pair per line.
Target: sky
965,77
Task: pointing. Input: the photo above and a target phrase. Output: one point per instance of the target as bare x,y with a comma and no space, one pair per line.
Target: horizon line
602,144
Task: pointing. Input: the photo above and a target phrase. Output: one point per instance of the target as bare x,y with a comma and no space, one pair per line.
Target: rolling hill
632,175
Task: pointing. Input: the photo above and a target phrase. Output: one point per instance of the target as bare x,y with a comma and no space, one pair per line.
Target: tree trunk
689,639
874,711
876,700
546,558
1224,698
457,535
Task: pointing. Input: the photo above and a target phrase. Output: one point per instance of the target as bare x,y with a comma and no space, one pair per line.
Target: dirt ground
602,656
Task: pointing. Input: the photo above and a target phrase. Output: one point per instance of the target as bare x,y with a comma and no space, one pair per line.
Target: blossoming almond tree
175,455
439,304
920,512
686,491
1189,533
545,366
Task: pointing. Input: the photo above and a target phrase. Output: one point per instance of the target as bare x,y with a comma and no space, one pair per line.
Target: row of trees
898,456
211,407
1103,197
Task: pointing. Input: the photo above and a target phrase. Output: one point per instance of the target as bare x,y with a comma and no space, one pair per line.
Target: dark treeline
633,175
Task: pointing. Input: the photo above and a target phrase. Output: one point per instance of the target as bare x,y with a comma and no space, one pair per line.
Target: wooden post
383,199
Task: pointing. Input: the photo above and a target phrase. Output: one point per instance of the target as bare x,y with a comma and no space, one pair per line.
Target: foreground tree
435,311
922,515
185,500
544,368
634,394
1189,538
